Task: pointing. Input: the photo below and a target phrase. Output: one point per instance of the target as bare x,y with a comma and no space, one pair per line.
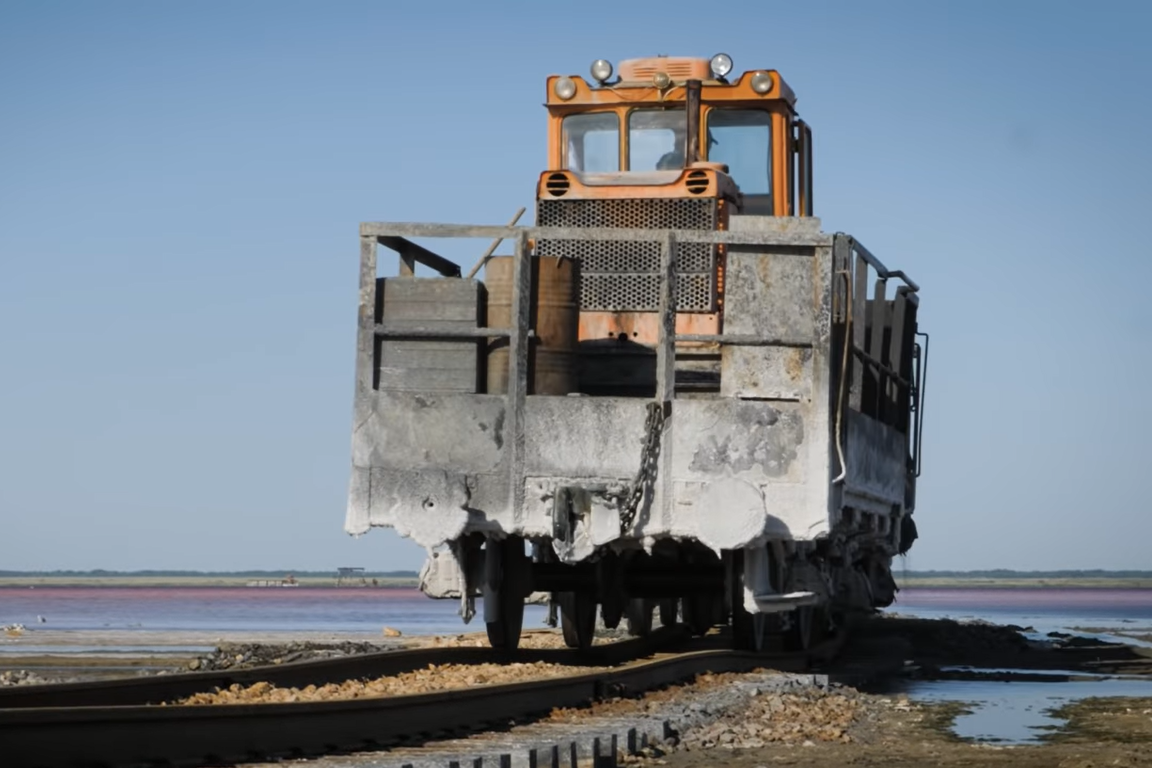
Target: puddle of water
1016,712
1037,672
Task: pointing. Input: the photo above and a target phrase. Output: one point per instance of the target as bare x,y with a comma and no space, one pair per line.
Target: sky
181,186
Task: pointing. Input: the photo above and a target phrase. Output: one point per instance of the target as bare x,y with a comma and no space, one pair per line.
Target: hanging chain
649,465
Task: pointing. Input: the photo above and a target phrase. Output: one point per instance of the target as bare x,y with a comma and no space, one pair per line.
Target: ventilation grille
623,276
557,184
697,182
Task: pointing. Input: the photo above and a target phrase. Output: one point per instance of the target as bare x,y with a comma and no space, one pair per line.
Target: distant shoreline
409,579
262,581
1025,583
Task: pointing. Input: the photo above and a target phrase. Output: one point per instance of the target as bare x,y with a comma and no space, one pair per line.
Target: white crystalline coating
356,518
428,507
730,514
426,530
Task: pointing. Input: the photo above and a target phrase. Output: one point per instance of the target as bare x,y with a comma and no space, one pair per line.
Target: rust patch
794,363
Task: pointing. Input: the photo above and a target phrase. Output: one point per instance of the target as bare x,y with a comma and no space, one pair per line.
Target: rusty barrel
555,314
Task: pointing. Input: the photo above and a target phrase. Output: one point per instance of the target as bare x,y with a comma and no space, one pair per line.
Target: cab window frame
565,155
767,198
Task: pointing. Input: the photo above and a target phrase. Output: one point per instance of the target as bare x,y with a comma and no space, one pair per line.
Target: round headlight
721,64
661,80
564,88
761,82
601,70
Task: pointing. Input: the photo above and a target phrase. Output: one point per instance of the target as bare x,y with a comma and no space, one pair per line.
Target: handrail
411,254
878,265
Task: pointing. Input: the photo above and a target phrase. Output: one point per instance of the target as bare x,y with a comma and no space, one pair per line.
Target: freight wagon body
677,394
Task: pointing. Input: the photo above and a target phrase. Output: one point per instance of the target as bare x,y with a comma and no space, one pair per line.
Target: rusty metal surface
623,275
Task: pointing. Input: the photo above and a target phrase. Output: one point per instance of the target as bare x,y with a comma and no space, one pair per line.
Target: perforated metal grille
622,276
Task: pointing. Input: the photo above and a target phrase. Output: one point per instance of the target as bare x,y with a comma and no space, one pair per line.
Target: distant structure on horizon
350,577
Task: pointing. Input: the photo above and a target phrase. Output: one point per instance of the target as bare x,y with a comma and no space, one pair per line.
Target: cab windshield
656,139
742,139
592,142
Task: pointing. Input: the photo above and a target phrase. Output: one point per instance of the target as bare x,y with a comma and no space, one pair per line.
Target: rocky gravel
244,655
735,711
434,677
23,677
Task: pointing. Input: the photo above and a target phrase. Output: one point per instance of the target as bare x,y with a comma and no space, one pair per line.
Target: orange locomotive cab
671,143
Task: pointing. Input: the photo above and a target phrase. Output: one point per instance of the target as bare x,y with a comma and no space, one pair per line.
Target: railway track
120,723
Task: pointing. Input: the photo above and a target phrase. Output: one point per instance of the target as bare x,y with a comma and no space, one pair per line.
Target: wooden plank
876,344
430,305
411,253
394,379
895,352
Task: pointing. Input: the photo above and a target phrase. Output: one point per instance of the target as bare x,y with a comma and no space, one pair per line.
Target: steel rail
114,736
153,690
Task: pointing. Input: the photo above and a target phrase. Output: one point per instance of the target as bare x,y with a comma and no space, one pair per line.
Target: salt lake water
368,610
1021,711
353,611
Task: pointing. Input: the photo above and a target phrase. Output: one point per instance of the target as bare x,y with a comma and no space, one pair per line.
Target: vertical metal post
895,359
518,372
876,345
666,348
366,325
859,309
692,109
666,375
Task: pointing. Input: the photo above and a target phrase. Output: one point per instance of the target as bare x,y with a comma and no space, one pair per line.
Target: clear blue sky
181,184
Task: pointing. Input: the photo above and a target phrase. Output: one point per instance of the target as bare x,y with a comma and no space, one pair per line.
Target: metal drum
554,315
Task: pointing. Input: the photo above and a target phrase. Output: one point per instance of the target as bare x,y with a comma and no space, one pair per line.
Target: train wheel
802,630
639,613
610,591
699,609
508,560
669,608
578,619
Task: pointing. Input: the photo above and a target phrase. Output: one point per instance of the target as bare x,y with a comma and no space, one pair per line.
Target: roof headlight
601,70
721,64
661,80
761,82
564,88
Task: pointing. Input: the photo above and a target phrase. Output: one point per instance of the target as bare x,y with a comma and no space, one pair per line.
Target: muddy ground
1101,732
